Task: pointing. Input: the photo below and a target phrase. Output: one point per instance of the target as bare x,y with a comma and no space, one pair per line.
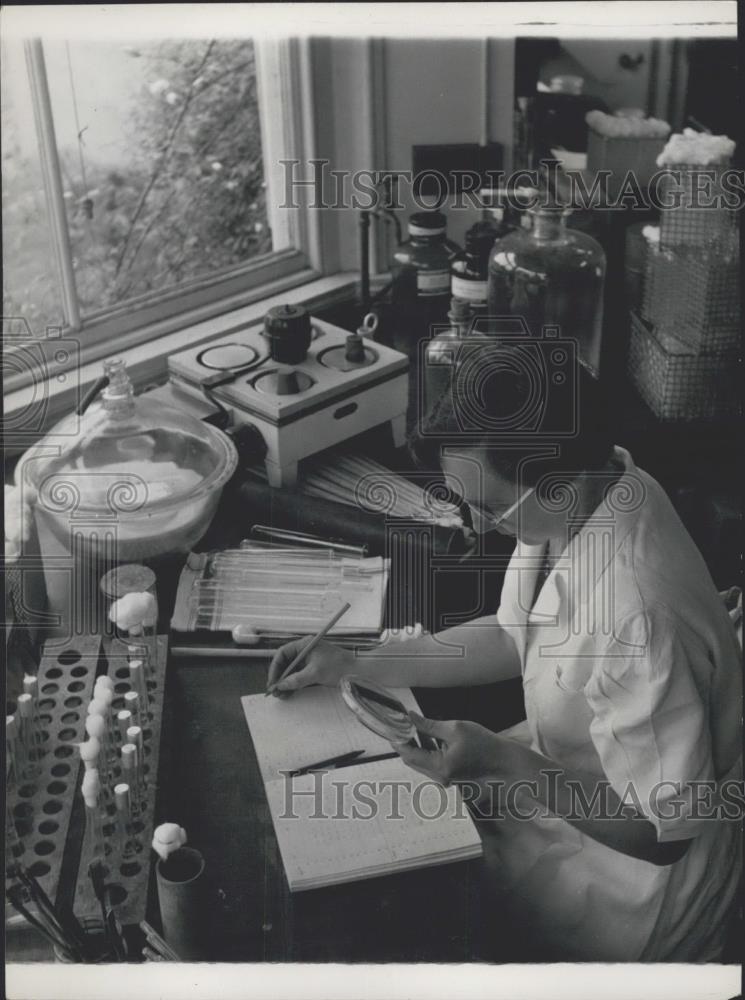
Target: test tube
124,720
95,727
139,684
14,748
127,844
129,773
13,843
93,821
30,736
132,704
134,735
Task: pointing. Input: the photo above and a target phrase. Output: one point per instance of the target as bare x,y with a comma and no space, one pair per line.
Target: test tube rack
41,806
128,882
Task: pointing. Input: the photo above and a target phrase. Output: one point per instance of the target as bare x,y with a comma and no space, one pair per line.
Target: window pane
30,288
160,148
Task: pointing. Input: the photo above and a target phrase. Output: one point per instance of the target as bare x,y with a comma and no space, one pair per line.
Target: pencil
310,647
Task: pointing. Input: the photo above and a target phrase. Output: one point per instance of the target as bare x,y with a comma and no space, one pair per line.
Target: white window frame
286,114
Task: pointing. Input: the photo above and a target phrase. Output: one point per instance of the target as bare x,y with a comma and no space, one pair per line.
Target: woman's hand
467,751
326,665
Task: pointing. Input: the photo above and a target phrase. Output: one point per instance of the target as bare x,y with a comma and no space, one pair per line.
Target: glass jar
551,276
421,275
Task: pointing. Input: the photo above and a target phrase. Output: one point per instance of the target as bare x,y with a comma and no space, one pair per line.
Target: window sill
147,363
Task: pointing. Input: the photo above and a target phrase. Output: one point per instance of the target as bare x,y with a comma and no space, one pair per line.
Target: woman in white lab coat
616,804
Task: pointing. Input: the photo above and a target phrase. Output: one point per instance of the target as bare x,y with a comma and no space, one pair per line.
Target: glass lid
128,453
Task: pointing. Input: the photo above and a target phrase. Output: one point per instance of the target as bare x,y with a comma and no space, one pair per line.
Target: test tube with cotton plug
30,736
95,727
91,790
14,749
135,735
137,615
128,846
129,773
139,684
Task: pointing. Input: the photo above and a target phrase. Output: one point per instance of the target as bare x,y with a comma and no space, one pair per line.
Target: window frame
285,81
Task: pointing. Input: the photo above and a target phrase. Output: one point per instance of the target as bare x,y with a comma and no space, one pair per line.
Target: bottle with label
421,275
469,271
551,276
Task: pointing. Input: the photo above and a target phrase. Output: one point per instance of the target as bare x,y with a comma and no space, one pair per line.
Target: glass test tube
139,651
13,843
93,817
134,735
139,684
127,844
14,748
95,727
132,705
30,737
129,773
124,721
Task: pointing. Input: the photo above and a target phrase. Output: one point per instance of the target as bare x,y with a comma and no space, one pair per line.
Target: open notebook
354,822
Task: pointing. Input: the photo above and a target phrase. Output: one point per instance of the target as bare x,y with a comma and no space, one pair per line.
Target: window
136,183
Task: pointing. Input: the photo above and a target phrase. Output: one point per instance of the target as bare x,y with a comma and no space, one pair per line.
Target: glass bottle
469,270
420,268
441,353
551,276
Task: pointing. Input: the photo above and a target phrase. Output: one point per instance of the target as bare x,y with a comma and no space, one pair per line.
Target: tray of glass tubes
41,736
120,759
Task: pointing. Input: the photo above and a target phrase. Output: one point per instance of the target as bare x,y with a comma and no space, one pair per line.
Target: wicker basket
694,294
693,221
678,385
621,154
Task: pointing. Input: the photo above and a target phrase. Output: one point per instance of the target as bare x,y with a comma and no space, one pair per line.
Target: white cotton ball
134,610
90,749
104,681
167,838
95,726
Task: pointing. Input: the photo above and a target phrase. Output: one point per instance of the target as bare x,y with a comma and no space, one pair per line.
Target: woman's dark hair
534,410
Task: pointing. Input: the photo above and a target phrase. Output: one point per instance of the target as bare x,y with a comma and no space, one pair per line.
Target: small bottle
128,845
421,275
469,271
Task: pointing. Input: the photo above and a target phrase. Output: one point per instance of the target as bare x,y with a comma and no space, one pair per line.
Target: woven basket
694,294
693,220
678,385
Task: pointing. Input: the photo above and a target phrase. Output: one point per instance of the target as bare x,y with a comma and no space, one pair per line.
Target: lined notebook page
312,725
351,837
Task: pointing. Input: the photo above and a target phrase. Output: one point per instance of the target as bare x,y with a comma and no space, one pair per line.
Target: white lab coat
631,671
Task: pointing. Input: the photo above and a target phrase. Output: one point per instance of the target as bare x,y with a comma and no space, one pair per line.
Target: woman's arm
479,652
471,753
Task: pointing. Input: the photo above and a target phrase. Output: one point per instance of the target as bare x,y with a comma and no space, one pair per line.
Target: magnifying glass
380,711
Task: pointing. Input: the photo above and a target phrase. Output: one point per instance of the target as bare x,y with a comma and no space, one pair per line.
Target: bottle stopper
167,838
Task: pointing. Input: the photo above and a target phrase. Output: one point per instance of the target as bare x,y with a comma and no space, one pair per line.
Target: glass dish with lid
144,476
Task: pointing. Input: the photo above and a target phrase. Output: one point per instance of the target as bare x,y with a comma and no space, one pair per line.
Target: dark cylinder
288,331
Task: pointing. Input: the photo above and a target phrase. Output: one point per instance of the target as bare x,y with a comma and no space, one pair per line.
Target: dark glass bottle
551,276
469,271
421,275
